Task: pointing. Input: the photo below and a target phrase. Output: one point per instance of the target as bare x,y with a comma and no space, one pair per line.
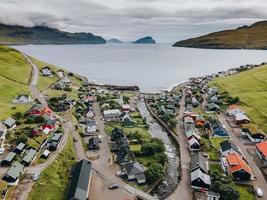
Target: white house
112,115
24,98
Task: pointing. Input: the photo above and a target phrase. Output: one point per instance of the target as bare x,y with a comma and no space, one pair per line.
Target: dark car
113,186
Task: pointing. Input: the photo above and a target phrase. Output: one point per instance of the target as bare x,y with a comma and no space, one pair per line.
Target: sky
165,20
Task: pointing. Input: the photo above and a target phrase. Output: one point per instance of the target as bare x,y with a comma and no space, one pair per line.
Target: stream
169,182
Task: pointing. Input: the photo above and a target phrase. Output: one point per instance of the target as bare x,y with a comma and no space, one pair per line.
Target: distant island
145,40
19,35
114,41
245,37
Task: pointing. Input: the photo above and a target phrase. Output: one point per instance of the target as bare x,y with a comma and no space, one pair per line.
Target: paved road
183,190
260,180
34,80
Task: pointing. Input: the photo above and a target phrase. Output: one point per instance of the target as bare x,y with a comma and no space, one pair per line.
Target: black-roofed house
8,159
135,171
19,148
13,174
227,147
200,180
10,123
127,120
124,155
116,133
80,182
29,157
53,146
93,143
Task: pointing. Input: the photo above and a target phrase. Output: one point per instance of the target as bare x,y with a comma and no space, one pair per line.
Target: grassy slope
12,63
54,179
252,37
251,87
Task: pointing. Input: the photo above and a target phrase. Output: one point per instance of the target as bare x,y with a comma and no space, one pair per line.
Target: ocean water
152,67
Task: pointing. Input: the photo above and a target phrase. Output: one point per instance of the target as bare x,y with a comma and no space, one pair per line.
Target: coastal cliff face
145,40
245,37
44,35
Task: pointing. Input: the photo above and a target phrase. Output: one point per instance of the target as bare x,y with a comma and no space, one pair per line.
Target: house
127,120
79,186
45,154
53,146
193,144
212,107
60,73
116,134
40,110
112,115
239,169
8,159
19,148
91,127
3,130
241,119
23,98
253,133
227,147
56,137
135,171
233,110
13,173
90,114
195,102
200,180
10,123
29,157
200,121
261,150
212,195
35,131
217,129
126,108
93,143
124,155
50,124
198,161
213,90
213,99
188,120
46,71
63,84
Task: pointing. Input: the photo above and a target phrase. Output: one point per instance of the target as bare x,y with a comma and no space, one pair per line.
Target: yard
208,148
250,86
215,167
245,194
56,177
216,142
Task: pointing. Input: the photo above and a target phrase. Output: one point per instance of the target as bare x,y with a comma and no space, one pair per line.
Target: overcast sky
165,20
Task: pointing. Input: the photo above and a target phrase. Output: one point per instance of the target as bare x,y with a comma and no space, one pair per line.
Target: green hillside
246,37
44,35
251,87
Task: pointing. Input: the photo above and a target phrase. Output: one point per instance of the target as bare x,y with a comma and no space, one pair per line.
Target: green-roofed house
13,174
8,159
28,158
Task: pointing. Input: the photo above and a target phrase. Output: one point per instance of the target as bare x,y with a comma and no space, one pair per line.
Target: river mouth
171,179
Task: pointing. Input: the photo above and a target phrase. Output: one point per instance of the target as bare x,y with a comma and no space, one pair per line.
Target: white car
119,173
35,177
2,150
259,192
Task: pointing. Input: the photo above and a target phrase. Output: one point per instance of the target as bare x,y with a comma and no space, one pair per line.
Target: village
221,151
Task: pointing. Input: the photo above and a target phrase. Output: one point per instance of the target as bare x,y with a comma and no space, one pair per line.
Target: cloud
167,20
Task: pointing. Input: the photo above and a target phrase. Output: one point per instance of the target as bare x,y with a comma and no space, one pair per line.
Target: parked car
2,150
99,138
75,140
113,186
259,192
35,177
120,173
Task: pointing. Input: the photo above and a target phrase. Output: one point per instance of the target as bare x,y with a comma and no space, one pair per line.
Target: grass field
245,194
251,88
14,66
56,177
8,91
216,142
45,82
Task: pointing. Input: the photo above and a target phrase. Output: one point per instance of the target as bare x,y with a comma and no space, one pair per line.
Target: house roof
10,122
56,137
10,156
20,146
79,185
262,147
111,113
93,141
15,170
199,174
134,168
192,141
46,152
188,120
227,145
29,156
236,163
2,127
240,117
198,161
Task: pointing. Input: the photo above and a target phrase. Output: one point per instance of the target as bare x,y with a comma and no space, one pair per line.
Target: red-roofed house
239,169
39,110
261,149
